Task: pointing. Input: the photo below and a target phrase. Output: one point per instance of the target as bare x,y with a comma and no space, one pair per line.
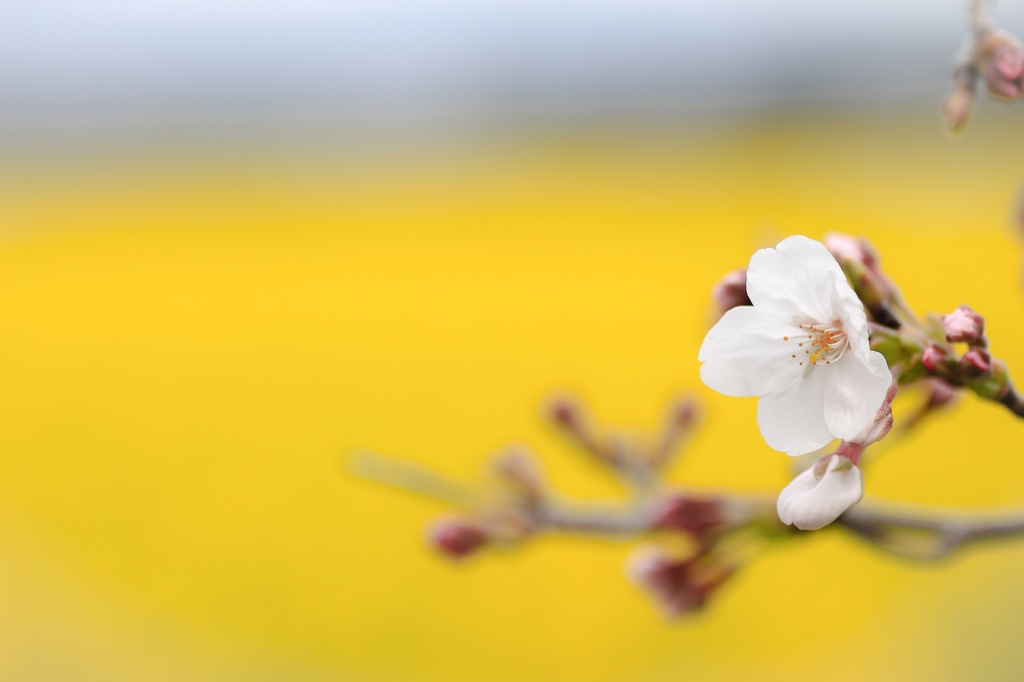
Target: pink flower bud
565,413
678,586
956,108
688,514
843,246
683,413
571,418
862,267
1001,63
456,537
933,358
976,363
963,324
731,291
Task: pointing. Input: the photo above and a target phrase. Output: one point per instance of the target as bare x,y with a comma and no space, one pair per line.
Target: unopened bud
1001,63
956,108
963,324
565,413
843,247
820,494
975,363
932,358
689,514
455,537
861,266
571,418
683,413
678,586
731,291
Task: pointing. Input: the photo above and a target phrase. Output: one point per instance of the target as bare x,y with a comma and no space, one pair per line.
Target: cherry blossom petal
793,421
855,392
746,354
794,280
816,498
850,312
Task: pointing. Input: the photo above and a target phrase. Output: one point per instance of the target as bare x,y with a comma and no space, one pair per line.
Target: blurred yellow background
194,339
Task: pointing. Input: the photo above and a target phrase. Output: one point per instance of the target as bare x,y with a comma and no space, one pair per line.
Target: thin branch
411,477
915,532
600,520
979,15
922,533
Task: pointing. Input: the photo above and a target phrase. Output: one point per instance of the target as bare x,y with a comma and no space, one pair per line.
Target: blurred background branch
723,530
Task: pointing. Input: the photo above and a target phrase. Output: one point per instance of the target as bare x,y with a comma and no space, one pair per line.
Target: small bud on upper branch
989,54
1000,61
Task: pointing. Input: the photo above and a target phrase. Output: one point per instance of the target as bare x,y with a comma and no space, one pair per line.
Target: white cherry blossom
802,347
819,495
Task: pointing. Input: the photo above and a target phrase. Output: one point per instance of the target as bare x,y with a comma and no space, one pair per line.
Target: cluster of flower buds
709,536
994,57
974,368
699,532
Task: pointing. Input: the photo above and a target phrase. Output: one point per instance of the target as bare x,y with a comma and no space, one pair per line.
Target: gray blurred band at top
106,63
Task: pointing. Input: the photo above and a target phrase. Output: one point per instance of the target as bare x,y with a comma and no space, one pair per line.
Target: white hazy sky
65,60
